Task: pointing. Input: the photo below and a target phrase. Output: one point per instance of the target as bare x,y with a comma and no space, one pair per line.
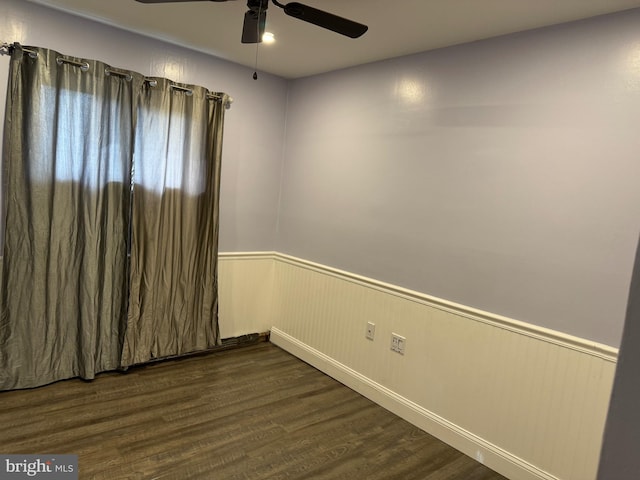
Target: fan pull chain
255,71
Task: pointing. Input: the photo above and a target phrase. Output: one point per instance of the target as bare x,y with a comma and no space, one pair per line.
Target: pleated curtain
111,185
173,300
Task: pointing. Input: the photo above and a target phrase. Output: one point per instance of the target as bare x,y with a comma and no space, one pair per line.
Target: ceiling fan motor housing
257,5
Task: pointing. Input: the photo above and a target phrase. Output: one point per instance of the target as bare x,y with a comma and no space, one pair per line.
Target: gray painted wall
254,127
501,174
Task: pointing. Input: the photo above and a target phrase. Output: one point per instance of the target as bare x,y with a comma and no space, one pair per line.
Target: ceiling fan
255,18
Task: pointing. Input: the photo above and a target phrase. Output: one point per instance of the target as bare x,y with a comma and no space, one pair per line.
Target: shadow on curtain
71,213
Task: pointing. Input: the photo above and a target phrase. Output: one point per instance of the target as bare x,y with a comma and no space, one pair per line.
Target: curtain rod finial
5,48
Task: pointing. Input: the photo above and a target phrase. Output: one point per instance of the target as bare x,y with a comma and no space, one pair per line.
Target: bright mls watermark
50,467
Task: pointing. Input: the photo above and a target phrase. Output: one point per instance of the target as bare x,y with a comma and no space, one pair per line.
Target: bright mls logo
50,467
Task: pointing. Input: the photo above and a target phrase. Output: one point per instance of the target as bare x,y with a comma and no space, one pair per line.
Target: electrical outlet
398,343
371,330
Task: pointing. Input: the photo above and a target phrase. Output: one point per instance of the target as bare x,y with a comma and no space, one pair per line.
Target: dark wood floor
251,413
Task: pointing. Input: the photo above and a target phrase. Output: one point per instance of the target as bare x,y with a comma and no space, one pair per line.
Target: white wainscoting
529,402
245,291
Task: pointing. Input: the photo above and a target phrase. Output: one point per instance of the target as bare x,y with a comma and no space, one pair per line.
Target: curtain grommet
110,72
84,66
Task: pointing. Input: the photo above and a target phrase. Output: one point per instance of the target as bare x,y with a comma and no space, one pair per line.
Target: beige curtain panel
111,224
173,296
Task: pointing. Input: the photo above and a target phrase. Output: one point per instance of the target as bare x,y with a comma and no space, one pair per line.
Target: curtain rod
210,95
6,49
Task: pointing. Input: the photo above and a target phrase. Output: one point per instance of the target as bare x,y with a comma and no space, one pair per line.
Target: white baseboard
490,455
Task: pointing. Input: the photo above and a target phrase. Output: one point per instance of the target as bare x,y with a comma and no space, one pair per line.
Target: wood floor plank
254,413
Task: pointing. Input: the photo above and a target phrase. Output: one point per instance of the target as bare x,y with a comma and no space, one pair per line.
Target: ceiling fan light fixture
268,37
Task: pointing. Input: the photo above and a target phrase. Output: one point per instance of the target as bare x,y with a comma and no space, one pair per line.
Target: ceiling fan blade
179,1
253,27
325,20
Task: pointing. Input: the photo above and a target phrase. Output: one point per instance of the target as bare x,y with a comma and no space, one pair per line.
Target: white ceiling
396,27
